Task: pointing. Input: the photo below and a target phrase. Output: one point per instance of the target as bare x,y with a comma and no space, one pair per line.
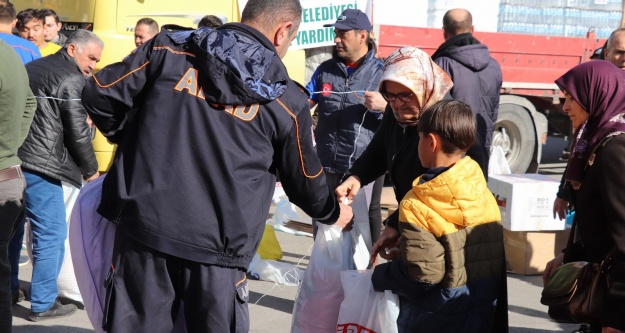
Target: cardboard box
526,201
527,253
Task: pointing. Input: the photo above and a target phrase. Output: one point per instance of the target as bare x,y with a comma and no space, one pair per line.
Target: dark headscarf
599,87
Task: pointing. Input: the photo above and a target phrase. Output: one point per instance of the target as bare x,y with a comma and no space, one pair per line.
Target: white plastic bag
66,282
361,232
91,242
278,272
91,239
364,309
388,311
255,260
319,297
498,164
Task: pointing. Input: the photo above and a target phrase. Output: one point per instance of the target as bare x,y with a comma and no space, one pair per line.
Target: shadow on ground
276,303
568,328
49,329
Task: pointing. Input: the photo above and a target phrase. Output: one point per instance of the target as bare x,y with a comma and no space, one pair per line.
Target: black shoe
18,297
57,310
66,300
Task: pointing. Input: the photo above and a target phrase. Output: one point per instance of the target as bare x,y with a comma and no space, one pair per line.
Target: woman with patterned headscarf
411,82
595,102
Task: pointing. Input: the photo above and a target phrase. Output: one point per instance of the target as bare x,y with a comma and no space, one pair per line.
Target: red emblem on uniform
326,89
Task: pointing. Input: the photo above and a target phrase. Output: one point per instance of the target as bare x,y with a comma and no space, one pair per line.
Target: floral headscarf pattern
415,69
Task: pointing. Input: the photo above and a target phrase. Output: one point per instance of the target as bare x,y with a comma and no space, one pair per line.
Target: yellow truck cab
114,22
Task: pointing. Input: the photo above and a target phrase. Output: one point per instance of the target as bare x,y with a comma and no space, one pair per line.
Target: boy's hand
389,239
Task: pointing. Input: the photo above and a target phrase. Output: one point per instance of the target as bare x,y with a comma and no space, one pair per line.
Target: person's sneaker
18,297
57,310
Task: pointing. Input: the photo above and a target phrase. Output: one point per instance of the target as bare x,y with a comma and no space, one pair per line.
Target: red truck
531,104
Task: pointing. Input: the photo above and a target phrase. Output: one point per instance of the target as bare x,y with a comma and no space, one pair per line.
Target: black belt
10,173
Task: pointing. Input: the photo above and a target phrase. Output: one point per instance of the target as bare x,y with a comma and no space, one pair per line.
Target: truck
530,105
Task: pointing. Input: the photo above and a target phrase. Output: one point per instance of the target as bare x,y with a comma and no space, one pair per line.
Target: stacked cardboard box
532,236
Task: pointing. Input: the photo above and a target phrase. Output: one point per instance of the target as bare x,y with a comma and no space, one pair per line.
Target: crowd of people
186,233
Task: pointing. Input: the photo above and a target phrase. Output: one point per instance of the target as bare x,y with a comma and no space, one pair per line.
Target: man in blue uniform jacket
217,118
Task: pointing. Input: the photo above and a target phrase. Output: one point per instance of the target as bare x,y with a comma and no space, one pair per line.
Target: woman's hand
611,330
560,207
553,264
389,239
348,189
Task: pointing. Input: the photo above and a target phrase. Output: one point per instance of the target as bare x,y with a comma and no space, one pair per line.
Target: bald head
615,49
457,21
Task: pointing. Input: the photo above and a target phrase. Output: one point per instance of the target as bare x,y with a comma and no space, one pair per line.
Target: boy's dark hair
210,21
7,12
49,12
28,15
453,121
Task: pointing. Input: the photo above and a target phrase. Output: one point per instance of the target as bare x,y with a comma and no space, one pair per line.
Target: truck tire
514,133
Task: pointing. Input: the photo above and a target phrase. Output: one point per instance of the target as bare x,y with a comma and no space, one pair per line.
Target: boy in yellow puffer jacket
449,271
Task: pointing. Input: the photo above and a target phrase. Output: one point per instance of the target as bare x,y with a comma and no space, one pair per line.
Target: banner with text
315,14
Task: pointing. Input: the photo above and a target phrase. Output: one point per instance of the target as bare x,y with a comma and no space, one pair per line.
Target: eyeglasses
404,97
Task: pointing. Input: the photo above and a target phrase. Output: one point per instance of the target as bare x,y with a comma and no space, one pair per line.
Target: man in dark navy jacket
476,75
192,180
350,108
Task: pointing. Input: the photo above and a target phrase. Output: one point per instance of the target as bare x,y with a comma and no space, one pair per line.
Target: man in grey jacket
476,75
57,149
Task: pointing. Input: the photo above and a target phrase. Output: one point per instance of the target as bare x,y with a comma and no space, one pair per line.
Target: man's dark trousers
148,281
11,212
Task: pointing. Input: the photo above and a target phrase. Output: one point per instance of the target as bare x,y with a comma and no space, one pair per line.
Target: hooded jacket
452,267
477,81
345,125
217,117
58,144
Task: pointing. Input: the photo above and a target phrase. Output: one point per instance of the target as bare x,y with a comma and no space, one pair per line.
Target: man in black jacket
476,75
57,149
192,180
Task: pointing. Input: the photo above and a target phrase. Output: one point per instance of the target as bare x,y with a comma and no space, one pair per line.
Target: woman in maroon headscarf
595,103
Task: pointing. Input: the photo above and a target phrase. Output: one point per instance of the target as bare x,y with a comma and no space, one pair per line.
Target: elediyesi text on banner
315,14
